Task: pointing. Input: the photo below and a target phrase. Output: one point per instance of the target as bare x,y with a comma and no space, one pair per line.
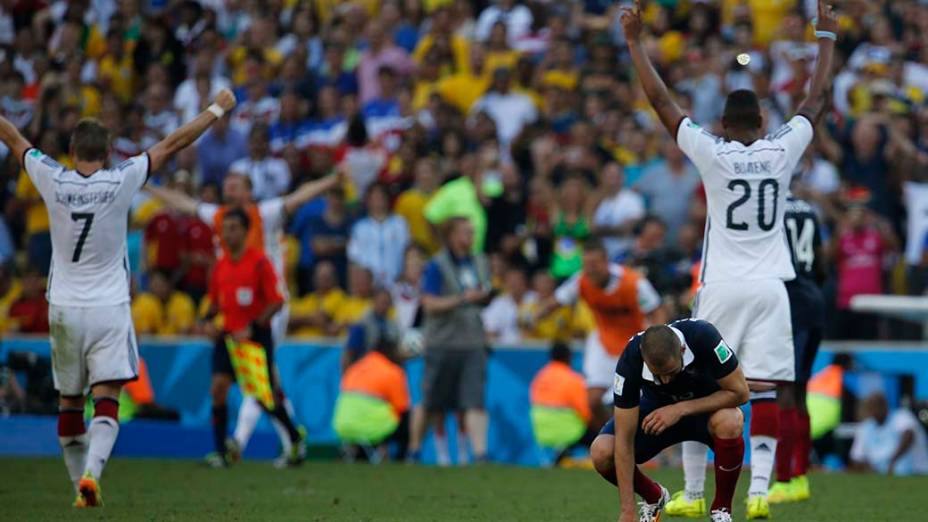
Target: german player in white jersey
92,337
745,254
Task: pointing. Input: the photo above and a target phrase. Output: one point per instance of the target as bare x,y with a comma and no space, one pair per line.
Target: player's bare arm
626,423
826,31
734,392
11,137
310,190
159,154
655,89
174,199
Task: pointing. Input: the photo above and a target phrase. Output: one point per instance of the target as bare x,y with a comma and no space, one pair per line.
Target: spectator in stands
218,149
29,313
506,315
363,159
410,204
188,99
665,266
163,310
161,117
461,197
290,125
862,242
571,227
379,240
329,234
312,315
257,107
407,290
373,404
510,110
466,85
456,285
376,328
617,212
669,186
270,176
892,443
560,413
358,301
555,326
380,52
516,17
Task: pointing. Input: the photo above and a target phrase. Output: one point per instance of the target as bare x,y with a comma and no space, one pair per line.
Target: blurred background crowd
521,115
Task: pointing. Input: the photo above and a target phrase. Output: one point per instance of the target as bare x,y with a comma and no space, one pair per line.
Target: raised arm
174,199
309,190
667,109
159,154
11,137
826,31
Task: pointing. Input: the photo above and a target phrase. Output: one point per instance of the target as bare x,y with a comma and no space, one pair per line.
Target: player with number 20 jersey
745,254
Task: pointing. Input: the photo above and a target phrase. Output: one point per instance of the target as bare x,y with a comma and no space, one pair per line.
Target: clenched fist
226,100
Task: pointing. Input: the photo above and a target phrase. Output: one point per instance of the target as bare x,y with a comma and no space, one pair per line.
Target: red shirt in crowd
163,242
860,264
31,314
197,240
243,288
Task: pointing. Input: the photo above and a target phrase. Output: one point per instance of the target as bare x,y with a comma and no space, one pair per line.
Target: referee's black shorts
222,362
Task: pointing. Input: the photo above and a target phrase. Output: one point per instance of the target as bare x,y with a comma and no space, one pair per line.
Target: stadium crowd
521,115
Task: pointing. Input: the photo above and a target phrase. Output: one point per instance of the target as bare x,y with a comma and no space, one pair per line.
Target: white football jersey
746,190
89,216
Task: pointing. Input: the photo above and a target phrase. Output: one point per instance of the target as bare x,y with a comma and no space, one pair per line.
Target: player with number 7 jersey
92,338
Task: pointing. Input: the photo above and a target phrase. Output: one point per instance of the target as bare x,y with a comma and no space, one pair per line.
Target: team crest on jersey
618,384
723,352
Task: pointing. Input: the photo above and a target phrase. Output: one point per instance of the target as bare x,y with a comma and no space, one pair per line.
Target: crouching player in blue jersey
673,383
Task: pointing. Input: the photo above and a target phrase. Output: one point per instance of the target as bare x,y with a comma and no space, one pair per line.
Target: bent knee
727,423
602,453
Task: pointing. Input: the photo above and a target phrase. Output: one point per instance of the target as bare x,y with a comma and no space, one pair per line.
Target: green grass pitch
165,490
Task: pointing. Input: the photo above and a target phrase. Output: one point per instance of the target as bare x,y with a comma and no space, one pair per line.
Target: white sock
441,450
282,433
695,458
74,451
763,449
463,457
102,433
248,415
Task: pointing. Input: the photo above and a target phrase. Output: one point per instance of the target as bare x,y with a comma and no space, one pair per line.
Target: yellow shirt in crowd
6,301
120,75
313,303
153,317
463,90
36,214
351,310
411,205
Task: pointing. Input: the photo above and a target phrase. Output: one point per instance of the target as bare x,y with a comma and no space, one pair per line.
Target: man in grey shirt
669,187
455,286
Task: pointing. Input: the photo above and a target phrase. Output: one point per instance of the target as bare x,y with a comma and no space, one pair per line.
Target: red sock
803,447
646,488
71,422
729,455
789,421
765,418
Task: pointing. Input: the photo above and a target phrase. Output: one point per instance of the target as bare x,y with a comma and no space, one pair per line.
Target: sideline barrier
180,372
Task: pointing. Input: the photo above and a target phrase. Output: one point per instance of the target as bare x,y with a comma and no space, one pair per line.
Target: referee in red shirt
243,288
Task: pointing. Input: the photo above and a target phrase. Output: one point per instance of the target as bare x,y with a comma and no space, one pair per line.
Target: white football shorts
91,345
598,364
754,319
